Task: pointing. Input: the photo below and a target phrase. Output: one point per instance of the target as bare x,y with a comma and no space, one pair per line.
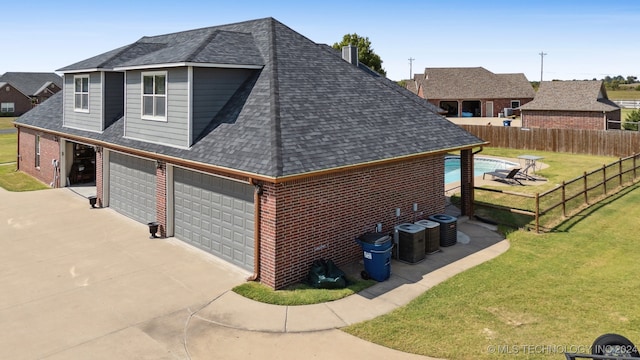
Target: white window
154,96
515,104
7,107
37,160
81,93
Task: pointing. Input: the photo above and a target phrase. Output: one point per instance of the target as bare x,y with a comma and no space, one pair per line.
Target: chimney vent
350,54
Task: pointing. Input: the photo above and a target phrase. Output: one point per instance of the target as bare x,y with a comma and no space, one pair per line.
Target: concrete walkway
80,283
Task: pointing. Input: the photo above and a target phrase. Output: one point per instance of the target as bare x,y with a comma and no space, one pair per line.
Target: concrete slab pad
312,318
236,311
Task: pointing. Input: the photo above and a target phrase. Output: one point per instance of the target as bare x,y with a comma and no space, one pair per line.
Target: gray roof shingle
585,95
29,83
472,83
306,110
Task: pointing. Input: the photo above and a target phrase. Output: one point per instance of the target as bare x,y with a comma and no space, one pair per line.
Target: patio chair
509,178
521,175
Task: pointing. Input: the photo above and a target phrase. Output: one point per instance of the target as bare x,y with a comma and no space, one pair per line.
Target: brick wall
22,103
49,150
161,199
594,120
321,217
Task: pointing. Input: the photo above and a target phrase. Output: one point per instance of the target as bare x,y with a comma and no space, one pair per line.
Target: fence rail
628,104
571,196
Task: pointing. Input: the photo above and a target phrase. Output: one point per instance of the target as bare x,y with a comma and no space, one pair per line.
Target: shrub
631,121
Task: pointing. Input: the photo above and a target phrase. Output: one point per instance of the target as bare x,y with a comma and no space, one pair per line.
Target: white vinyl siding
81,93
154,96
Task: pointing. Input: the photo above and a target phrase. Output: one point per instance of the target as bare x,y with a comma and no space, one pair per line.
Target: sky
583,39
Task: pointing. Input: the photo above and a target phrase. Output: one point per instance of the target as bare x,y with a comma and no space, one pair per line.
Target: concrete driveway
82,283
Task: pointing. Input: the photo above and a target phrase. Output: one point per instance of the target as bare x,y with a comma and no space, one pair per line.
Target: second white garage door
215,214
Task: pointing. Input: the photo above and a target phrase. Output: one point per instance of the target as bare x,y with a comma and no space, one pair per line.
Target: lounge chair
509,178
521,175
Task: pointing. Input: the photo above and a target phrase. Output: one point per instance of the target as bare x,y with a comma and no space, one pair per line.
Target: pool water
480,166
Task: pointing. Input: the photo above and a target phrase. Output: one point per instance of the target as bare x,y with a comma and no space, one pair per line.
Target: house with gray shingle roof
572,105
248,141
21,91
472,92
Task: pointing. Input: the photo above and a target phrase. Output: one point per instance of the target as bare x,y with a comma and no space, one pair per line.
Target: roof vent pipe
350,54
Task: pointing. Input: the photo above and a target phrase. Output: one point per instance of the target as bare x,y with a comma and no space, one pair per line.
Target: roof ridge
214,33
276,131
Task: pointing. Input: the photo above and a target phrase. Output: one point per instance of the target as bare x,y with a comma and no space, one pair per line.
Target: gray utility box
448,228
431,235
410,243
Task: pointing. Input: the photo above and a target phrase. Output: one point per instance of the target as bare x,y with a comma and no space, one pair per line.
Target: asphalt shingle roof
29,83
306,110
472,83
586,95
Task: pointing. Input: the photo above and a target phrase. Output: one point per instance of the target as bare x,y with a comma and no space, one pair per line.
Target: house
21,91
571,105
472,92
248,141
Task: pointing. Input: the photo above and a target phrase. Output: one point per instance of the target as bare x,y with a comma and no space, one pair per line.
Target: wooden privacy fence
616,143
551,207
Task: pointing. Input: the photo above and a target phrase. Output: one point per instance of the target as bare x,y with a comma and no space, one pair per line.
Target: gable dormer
93,100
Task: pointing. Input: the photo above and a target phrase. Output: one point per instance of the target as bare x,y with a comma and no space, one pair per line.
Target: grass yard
623,94
6,122
13,180
8,148
547,293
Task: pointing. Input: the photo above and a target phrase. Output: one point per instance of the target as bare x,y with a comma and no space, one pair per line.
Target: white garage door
215,214
132,187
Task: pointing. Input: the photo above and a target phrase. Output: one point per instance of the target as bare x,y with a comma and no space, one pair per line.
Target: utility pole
542,54
411,68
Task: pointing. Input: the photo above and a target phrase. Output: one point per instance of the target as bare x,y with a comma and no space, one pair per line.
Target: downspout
256,230
18,155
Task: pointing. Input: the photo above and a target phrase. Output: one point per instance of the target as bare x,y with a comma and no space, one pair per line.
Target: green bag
324,274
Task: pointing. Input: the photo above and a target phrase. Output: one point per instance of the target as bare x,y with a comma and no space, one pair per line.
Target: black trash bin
448,228
376,251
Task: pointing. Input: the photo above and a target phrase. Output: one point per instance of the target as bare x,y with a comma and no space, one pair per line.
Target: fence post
586,198
634,166
564,200
620,171
604,178
537,213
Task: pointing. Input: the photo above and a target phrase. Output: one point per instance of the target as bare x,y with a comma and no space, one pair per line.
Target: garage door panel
215,214
132,187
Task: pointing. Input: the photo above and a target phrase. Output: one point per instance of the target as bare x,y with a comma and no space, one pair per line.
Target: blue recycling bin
506,122
376,251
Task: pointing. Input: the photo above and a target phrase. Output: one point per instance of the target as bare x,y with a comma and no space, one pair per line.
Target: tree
632,120
365,52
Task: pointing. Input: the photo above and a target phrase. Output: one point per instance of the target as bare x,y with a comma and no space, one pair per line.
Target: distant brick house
248,141
571,105
472,92
21,91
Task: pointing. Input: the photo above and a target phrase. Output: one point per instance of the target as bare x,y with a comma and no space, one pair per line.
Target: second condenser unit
431,236
448,228
410,241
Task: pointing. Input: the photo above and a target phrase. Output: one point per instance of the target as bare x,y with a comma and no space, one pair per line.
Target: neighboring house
571,105
472,92
248,141
21,91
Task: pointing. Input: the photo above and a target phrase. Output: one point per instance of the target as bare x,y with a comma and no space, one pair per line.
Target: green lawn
6,122
623,94
8,147
13,180
558,289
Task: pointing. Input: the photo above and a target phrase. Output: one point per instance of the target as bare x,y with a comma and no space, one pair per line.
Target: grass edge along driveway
548,294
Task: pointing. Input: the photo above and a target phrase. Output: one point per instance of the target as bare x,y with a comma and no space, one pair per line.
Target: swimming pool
480,166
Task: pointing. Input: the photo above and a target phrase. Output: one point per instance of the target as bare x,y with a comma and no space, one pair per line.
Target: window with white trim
37,159
154,96
81,93
515,104
7,107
